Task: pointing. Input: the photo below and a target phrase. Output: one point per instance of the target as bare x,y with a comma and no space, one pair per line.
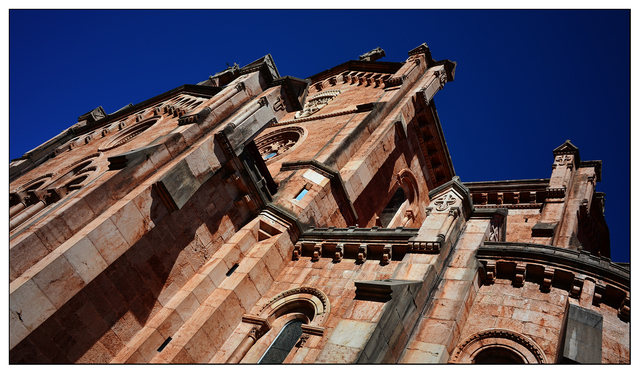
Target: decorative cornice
572,260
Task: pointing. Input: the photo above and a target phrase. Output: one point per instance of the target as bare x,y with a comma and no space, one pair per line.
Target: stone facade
260,218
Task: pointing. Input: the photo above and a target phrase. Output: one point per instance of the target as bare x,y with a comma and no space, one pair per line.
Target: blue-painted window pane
301,194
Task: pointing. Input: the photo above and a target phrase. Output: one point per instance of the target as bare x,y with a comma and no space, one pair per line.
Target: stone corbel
428,210
430,89
521,273
625,309
491,272
598,292
547,279
408,215
386,254
576,287
339,253
297,252
362,254
317,252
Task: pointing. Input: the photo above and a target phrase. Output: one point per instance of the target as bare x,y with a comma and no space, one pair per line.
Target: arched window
498,346
286,340
392,207
498,355
287,321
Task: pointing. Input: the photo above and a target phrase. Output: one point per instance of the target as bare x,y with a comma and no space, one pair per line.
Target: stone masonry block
59,281
247,292
470,241
447,309
170,325
424,353
108,240
85,259
415,272
463,274
129,222
455,290
204,287
436,331
26,253
17,329
199,165
211,148
200,347
260,277
216,269
187,306
30,306
179,184
333,353
149,347
76,214
583,336
350,333
477,226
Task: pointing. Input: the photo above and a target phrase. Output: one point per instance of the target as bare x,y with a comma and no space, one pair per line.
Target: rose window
279,142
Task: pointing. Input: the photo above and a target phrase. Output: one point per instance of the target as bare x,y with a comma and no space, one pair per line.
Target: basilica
260,218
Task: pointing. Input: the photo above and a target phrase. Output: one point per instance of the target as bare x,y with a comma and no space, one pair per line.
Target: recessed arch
501,345
306,307
130,133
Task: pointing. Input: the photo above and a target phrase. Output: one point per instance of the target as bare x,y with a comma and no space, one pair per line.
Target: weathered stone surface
207,218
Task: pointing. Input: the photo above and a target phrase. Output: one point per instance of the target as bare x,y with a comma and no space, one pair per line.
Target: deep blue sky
526,80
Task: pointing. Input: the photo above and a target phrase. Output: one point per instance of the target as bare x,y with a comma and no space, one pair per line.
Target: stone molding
474,344
314,296
359,109
130,133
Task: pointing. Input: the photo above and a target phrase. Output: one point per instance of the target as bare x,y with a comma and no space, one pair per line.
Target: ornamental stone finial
373,55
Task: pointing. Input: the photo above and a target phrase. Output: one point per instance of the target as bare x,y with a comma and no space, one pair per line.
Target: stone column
26,214
16,209
261,326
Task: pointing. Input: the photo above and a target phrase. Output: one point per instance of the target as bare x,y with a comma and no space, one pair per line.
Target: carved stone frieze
316,102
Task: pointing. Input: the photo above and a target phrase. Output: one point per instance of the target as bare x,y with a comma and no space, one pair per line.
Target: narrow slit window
233,268
392,207
301,194
164,344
